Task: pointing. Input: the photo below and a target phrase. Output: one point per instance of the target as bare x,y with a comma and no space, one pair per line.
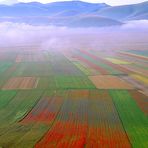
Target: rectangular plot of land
73,82
109,82
86,119
133,119
21,83
33,69
40,57
66,69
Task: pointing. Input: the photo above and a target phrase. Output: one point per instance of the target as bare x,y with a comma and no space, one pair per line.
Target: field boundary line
121,120
32,107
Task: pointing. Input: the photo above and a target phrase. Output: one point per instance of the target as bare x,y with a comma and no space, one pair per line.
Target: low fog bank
131,35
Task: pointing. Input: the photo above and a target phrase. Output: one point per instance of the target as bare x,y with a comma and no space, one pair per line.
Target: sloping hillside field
73,98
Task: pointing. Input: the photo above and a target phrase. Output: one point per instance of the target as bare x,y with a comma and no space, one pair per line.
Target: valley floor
73,98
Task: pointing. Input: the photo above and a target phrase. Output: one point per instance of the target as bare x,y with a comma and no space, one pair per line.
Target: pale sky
111,2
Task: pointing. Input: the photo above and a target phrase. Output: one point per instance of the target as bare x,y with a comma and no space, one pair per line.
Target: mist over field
133,34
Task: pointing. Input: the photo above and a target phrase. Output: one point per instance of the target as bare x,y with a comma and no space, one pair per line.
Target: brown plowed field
109,82
20,83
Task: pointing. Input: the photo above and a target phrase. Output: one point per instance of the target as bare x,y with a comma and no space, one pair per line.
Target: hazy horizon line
71,1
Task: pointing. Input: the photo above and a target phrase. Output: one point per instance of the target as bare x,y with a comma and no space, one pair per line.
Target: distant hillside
95,21
38,9
124,12
73,13
140,17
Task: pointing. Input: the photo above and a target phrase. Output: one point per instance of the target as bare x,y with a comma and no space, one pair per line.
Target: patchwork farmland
73,98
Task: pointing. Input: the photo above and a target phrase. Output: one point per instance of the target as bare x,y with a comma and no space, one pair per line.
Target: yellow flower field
117,61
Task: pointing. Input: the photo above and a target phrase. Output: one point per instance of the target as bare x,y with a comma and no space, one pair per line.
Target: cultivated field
73,98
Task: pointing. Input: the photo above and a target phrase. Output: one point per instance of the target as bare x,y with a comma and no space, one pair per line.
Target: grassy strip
73,82
6,97
4,66
33,69
134,120
64,82
25,135
45,83
67,69
18,107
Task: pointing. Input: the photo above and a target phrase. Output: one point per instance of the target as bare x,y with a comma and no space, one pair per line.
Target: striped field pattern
73,98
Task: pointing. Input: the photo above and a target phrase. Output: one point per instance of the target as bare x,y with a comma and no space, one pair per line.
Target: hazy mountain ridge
48,9
73,13
125,12
95,21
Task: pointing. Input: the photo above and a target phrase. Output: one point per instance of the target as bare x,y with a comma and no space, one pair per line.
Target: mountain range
73,13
